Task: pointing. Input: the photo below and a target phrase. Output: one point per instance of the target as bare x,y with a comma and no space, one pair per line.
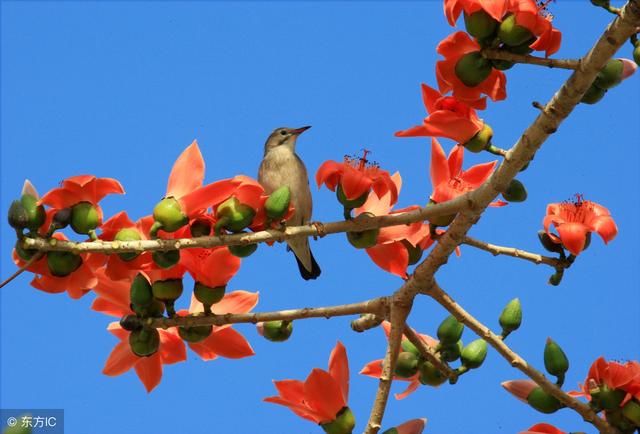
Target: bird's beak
299,131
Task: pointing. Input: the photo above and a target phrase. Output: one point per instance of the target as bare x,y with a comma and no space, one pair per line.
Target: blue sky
119,89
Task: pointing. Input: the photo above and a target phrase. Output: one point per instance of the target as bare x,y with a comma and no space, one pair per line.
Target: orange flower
113,299
449,180
613,375
81,188
542,428
211,267
534,17
77,283
448,117
453,48
389,253
453,8
575,220
413,426
224,340
322,395
374,368
356,176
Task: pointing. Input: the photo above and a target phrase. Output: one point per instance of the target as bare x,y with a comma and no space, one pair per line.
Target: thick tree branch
377,306
516,253
496,54
514,359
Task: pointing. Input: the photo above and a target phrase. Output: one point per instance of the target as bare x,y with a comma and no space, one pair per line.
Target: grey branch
428,353
516,253
496,54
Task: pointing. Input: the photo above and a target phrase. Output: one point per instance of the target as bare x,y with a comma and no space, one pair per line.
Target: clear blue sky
120,88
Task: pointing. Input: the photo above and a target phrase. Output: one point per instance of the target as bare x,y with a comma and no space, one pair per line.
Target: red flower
322,395
453,8
389,253
211,267
113,299
357,177
81,188
448,117
535,18
374,368
453,48
614,375
413,426
543,428
224,340
76,284
449,180
574,220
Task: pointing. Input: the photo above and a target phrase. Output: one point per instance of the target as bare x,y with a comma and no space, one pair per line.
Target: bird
281,166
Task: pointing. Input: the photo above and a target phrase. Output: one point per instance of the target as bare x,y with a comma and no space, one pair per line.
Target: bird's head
284,137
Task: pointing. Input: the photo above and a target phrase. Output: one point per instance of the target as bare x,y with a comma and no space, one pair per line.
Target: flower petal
323,395
392,257
339,369
187,173
149,370
236,302
439,169
229,343
413,386
120,360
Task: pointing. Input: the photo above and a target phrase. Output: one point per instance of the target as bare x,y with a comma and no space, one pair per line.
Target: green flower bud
407,345
617,419
350,203
85,218
430,375
511,316
473,354
62,264
391,431
166,259
515,192
442,220
233,215
195,334
610,75
406,365
606,398
17,215
543,402
153,310
450,330
631,411
523,48
502,65
168,214
451,352
208,295
481,140
472,69
415,252
364,239
276,331
200,228
130,323
140,292
35,213
555,360
243,251
344,423
593,95
144,342
24,254
128,234
548,244
480,24
513,34
167,290
278,202
62,218
636,54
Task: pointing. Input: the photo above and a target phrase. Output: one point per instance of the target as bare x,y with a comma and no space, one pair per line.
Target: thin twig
366,322
22,269
428,353
516,253
497,54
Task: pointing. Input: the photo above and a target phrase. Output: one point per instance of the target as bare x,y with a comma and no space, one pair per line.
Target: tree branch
22,269
497,54
516,253
439,295
427,352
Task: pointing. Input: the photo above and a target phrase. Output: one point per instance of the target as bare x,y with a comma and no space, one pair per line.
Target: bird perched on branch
281,166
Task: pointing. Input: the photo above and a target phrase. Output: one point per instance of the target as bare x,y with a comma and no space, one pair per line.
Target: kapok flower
457,48
542,428
494,8
374,368
534,17
389,252
224,340
520,389
186,197
612,376
449,180
58,272
448,117
413,426
575,220
114,300
82,193
323,396
356,177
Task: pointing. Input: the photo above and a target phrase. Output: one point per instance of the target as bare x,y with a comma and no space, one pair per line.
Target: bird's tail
308,274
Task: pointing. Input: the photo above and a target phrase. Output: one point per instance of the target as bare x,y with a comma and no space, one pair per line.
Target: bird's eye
283,133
